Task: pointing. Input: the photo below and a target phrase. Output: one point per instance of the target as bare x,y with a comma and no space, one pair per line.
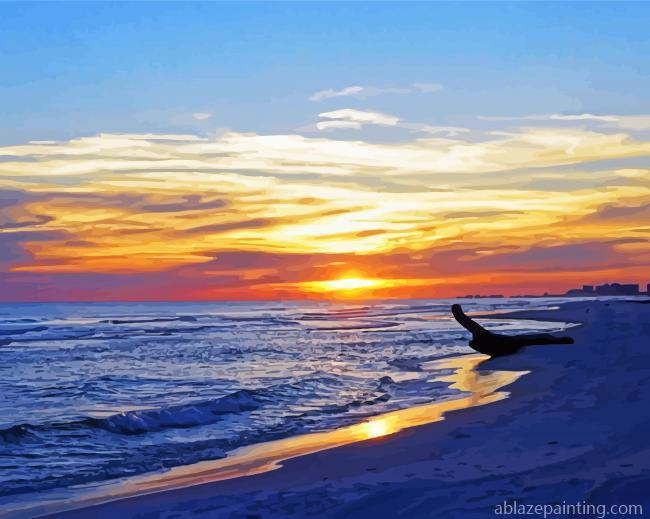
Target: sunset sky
268,151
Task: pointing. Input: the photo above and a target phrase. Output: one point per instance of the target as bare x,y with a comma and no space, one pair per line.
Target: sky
186,151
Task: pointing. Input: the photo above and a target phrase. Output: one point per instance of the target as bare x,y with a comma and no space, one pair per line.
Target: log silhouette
497,344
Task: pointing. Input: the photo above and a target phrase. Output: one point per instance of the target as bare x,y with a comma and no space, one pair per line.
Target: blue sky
72,69
267,150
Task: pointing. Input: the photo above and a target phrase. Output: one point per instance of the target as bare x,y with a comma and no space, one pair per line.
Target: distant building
617,289
647,291
608,289
631,289
604,290
575,292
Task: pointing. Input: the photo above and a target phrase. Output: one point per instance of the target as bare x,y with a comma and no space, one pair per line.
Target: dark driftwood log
496,344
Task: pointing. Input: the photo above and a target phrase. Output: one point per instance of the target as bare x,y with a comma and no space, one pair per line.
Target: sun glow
139,205
350,284
345,285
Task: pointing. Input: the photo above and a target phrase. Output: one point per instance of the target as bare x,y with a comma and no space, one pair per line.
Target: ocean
96,392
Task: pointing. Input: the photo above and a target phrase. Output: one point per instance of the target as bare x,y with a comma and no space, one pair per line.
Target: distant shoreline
324,300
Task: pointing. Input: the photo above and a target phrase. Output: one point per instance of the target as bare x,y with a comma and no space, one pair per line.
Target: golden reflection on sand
482,388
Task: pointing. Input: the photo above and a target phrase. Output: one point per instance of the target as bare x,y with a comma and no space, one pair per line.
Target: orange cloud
250,216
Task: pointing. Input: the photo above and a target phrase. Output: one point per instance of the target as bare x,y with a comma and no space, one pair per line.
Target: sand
575,428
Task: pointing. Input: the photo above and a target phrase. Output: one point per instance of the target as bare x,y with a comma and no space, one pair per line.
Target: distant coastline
606,289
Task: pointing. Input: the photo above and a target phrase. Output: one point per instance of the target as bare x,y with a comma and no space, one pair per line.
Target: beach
573,429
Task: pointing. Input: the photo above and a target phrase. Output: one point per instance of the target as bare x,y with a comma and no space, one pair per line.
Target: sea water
94,392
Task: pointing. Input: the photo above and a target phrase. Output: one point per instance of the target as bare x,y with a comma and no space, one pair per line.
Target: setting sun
350,284
345,285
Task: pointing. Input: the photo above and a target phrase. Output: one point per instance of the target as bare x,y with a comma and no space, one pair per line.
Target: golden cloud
151,202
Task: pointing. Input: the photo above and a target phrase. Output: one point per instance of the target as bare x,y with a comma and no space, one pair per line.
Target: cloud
479,214
361,92
427,88
202,116
330,93
631,213
436,271
449,131
14,245
217,228
133,205
581,117
632,122
338,125
351,119
627,122
549,117
228,162
14,198
191,202
355,119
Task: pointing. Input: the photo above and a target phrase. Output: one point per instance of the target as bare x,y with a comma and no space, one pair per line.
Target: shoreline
269,456
402,459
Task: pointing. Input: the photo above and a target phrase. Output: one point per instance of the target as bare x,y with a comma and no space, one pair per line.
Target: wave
371,312
104,335
15,433
360,324
22,331
91,442
176,417
184,318
147,420
319,385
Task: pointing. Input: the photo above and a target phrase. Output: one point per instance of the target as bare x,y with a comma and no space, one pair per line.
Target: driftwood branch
496,344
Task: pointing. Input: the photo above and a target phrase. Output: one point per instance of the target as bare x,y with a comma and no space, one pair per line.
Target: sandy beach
573,429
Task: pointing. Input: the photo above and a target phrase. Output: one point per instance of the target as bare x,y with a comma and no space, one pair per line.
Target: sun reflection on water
376,428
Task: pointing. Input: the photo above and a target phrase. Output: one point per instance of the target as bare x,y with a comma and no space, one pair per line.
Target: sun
350,284
355,285
344,286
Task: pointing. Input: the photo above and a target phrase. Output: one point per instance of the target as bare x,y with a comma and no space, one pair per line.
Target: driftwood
497,344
